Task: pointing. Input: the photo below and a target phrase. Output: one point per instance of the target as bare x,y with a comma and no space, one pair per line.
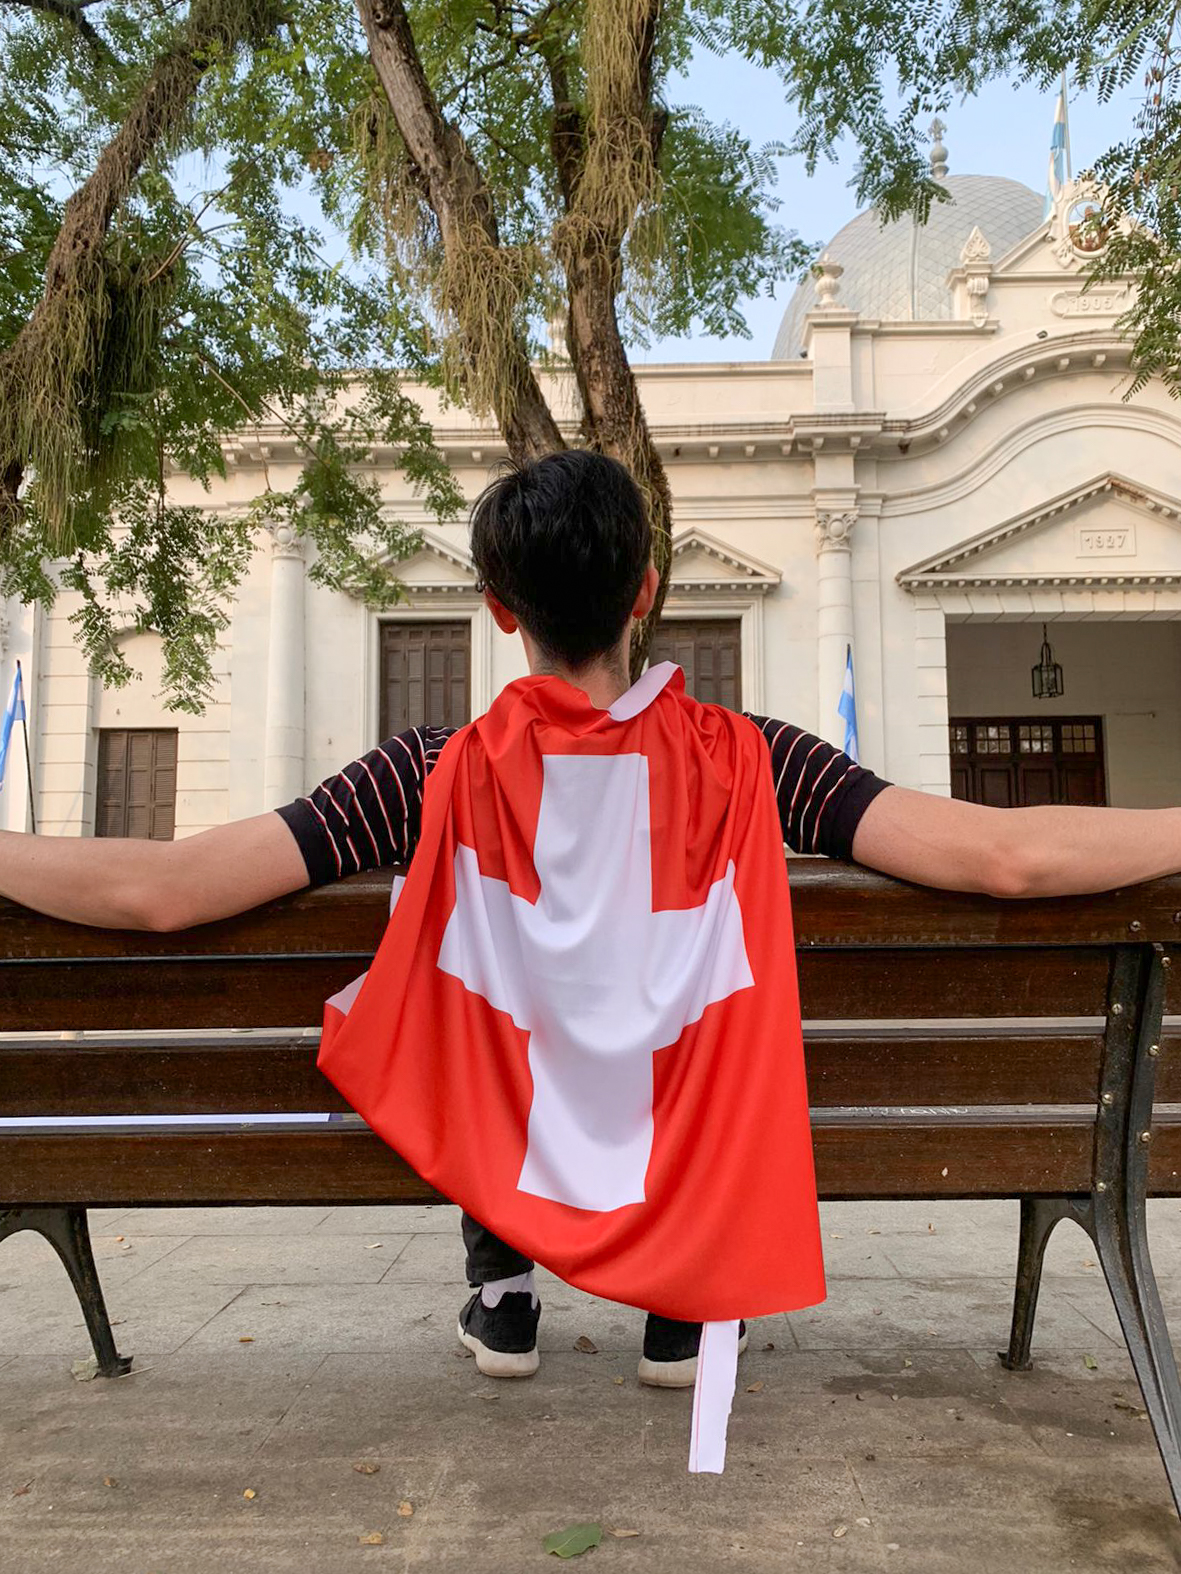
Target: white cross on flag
582,1023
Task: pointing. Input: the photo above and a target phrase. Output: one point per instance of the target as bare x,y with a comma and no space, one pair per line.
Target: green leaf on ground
1090,1363
573,1540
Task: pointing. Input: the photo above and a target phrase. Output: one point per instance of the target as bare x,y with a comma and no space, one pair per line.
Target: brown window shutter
425,675
136,793
710,651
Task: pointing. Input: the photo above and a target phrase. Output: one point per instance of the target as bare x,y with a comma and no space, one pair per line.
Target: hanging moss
90,345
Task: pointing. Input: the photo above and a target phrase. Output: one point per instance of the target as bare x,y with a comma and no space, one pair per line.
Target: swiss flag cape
583,1023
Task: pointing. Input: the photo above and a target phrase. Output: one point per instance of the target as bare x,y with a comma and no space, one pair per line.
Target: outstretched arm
129,883
365,817
1045,851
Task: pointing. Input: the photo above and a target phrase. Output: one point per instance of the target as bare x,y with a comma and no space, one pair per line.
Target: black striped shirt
369,815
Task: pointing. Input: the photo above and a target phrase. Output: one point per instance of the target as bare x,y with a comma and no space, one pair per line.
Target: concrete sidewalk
277,1349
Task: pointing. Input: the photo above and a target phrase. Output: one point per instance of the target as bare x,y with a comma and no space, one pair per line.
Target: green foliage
208,305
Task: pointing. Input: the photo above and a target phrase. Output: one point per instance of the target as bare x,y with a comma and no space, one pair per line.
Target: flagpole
1066,127
28,760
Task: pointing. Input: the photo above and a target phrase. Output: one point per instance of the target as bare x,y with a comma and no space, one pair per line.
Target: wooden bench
957,1047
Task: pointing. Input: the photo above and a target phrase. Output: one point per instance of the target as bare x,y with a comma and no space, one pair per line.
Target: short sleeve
369,814
821,792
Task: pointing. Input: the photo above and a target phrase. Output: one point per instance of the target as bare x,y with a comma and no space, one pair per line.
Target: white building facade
937,461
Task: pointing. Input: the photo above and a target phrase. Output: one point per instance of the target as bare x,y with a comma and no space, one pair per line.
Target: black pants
488,1257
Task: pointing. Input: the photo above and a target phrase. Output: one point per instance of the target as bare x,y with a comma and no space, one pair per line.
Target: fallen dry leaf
587,1346
366,1467
373,1539
620,1534
619,1381
109,1481
250,1494
245,1338
863,1519
405,1509
24,1491
841,1530
375,1247
754,1388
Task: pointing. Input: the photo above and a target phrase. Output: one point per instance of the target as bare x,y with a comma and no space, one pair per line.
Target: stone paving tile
433,1258
441,1219
149,1318
182,1407
1077,1412
1033,1513
856,1255
931,1314
335,1317
298,1259
223,1221
28,1258
890,1217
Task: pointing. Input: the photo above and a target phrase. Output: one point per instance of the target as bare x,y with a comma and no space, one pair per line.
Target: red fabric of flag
583,1022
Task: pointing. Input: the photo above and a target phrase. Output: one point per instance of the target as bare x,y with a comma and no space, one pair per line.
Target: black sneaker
503,1338
670,1352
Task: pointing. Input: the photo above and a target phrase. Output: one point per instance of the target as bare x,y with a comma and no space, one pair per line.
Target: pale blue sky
1005,131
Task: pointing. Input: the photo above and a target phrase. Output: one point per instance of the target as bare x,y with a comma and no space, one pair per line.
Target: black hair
563,543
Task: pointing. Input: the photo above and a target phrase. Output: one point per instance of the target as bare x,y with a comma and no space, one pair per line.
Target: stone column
834,616
283,769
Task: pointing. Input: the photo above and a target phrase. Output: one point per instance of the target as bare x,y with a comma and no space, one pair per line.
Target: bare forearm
1047,851
1072,851
125,883
109,883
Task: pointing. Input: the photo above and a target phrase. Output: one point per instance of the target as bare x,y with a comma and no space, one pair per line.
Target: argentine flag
15,712
1059,153
847,707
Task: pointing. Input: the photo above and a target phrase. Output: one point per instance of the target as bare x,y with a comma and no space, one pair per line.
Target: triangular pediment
1110,531
702,562
437,565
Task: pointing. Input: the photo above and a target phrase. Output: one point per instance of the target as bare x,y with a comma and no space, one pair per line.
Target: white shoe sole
676,1374
499,1363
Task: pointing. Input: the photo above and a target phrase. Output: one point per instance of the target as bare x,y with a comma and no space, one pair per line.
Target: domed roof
898,273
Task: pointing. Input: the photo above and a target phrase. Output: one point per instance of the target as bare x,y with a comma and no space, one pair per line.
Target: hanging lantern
1047,675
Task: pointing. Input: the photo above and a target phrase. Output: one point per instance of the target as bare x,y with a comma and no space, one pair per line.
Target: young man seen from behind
562,549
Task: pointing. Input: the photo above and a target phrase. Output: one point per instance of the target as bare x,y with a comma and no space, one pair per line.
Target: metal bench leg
68,1233
1039,1215
1122,1241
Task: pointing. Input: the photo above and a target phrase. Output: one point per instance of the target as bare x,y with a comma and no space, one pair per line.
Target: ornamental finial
938,152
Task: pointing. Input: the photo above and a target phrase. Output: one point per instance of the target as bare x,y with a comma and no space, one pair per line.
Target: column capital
833,529
286,542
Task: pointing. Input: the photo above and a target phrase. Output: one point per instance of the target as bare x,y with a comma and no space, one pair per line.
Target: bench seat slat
277,992
350,1165
937,1065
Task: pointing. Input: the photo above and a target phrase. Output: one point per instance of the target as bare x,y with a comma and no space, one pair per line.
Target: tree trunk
620,142
461,202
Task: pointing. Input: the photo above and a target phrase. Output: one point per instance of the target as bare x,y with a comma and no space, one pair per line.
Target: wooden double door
1014,761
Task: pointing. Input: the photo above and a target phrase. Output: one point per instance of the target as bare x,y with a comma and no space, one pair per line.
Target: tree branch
494,349
71,11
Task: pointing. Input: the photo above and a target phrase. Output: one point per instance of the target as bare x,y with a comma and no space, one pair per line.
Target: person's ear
502,617
647,594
